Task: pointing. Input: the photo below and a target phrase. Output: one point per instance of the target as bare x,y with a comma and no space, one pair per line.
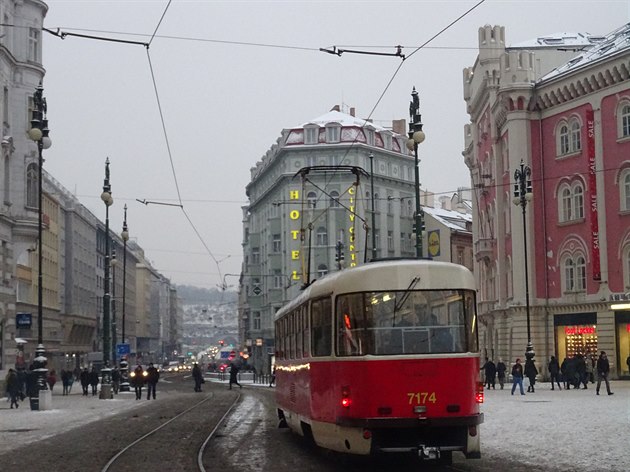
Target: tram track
185,433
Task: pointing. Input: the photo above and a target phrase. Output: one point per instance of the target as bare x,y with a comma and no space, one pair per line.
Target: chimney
335,108
352,111
399,126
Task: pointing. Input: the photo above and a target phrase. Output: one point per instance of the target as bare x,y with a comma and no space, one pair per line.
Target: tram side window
279,340
298,332
321,327
306,332
355,334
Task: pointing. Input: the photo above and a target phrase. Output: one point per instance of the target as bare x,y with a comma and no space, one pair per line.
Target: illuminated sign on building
352,250
579,330
295,232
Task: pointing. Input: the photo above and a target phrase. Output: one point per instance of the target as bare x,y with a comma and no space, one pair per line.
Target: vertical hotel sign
592,184
295,236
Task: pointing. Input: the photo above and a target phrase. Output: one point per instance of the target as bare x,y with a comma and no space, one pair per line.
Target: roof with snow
343,119
454,220
613,43
564,40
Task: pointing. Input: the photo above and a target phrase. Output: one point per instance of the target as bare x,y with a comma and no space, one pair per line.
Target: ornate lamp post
416,136
374,255
114,264
124,362
39,133
106,386
522,195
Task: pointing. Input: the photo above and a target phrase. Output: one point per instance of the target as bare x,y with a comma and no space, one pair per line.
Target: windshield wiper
403,299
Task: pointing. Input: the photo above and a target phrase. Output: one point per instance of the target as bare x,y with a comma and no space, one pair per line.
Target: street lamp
416,136
114,263
39,133
124,362
106,386
371,156
522,195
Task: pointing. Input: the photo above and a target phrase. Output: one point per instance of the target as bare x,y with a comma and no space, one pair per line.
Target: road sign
122,349
23,320
257,290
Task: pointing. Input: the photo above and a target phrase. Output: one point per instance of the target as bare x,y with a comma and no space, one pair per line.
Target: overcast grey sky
224,104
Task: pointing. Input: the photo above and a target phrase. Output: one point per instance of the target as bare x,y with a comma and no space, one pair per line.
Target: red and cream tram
383,358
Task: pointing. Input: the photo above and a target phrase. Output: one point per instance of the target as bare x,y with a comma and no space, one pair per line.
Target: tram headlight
346,401
145,373
132,374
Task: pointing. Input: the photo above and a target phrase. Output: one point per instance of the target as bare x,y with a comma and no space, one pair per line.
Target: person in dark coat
93,378
531,372
571,373
65,375
152,379
51,379
234,375
197,377
603,369
85,381
115,380
138,381
554,372
501,368
517,376
12,384
580,367
490,370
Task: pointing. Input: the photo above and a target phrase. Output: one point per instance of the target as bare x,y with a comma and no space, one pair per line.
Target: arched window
565,204
574,270
322,236
578,202
624,190
564,140
32,188
569,274
311,198
334,199
576,142
571,202
624,118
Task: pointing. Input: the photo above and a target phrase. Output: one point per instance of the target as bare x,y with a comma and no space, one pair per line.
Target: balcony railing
484,248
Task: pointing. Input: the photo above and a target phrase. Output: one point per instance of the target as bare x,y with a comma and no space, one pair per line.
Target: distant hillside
199,296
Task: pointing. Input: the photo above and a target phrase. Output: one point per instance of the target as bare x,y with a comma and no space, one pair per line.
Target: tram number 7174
421,398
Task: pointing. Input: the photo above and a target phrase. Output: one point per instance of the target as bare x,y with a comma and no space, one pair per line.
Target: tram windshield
406,322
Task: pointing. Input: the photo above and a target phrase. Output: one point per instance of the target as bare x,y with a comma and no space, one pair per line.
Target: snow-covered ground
574,430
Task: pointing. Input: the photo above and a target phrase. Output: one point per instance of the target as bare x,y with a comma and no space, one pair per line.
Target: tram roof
390,275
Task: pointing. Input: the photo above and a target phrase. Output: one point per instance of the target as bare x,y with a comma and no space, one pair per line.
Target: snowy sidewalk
23,426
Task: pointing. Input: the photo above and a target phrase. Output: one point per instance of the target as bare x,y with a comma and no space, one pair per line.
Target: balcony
484,248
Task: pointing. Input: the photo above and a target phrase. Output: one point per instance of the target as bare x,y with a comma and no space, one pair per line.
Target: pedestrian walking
197,377
603,369
272,382
12,385
501,368
51,379
93,379
138,381
531,372
65,376
580,363
590,368
490,370
554,372
517,376
152,379
85,381
234,376
115,380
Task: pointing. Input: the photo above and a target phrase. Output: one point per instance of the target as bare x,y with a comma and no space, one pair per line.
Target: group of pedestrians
575,371
150,377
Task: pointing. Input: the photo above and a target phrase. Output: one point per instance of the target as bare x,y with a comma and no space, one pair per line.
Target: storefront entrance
622,328
575,334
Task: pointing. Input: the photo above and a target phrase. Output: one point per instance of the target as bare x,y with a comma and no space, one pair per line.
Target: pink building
561,105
